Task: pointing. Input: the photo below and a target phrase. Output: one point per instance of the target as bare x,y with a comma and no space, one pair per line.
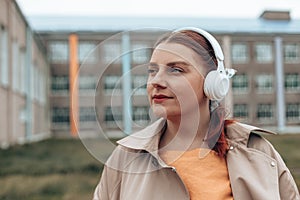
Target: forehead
166,52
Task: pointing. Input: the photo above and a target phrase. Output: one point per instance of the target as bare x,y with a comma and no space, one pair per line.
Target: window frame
238,56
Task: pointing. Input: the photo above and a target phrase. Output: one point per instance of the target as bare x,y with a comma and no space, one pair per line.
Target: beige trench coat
134,171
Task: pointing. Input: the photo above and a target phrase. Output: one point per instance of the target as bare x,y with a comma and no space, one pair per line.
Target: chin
159,110
159,114
162,112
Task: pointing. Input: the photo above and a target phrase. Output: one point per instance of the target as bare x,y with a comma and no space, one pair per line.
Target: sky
159,8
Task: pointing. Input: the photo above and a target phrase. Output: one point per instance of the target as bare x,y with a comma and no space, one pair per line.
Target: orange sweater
205,178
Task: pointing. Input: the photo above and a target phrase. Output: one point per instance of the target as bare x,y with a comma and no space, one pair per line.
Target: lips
159,98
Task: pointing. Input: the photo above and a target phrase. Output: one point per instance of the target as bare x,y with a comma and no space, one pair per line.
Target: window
31,80
4,54
87,114
141,114
112,52
59,52
87,83
42,87
87,52
60,115
291,53
60,84
240,83
15,65
39,85
22,73
263,53
292,82
264,112
139,85
36,82
112,115
264,83
141,53
240,110
293,112
239,53
112,84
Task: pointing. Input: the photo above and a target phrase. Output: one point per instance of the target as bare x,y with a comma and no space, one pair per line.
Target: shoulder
246,134
237,130
250,137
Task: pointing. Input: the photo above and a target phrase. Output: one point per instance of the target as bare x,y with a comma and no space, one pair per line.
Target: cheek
191,92
149,91
200,88
194,86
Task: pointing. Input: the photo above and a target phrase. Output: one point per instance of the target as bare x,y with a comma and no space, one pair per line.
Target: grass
64,169
51,169
288,147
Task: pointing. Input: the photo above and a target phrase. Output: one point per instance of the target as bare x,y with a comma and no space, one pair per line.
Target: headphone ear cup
216,85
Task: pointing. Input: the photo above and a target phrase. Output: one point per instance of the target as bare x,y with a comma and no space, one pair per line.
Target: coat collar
148,138
239,132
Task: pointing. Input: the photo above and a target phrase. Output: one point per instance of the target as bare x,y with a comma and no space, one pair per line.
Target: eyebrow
170,64
153,64
182,63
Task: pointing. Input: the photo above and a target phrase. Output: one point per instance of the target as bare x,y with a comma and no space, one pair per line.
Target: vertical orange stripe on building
73,79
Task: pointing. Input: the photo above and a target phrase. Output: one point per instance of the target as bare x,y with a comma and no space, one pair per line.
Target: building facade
99,80
24,78
77,76
264,51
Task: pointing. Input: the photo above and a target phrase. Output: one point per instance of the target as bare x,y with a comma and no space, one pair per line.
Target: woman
192,152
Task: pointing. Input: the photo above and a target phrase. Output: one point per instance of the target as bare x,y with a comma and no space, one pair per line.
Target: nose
158,80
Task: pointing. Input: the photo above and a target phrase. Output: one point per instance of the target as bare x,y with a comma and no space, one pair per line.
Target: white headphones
216,83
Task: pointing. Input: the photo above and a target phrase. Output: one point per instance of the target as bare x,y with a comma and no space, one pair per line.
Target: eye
152,71
175,70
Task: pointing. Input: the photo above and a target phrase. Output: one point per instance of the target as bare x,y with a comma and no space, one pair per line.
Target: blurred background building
265,51
24,80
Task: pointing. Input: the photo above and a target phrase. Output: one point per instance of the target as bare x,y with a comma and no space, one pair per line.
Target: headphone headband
212,40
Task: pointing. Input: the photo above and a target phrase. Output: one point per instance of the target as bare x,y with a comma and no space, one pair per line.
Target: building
100,67
69,75
265,51
24,80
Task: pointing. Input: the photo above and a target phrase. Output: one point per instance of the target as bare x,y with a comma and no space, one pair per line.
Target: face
175,81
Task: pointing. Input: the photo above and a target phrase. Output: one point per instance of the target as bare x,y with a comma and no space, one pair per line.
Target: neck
186,132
